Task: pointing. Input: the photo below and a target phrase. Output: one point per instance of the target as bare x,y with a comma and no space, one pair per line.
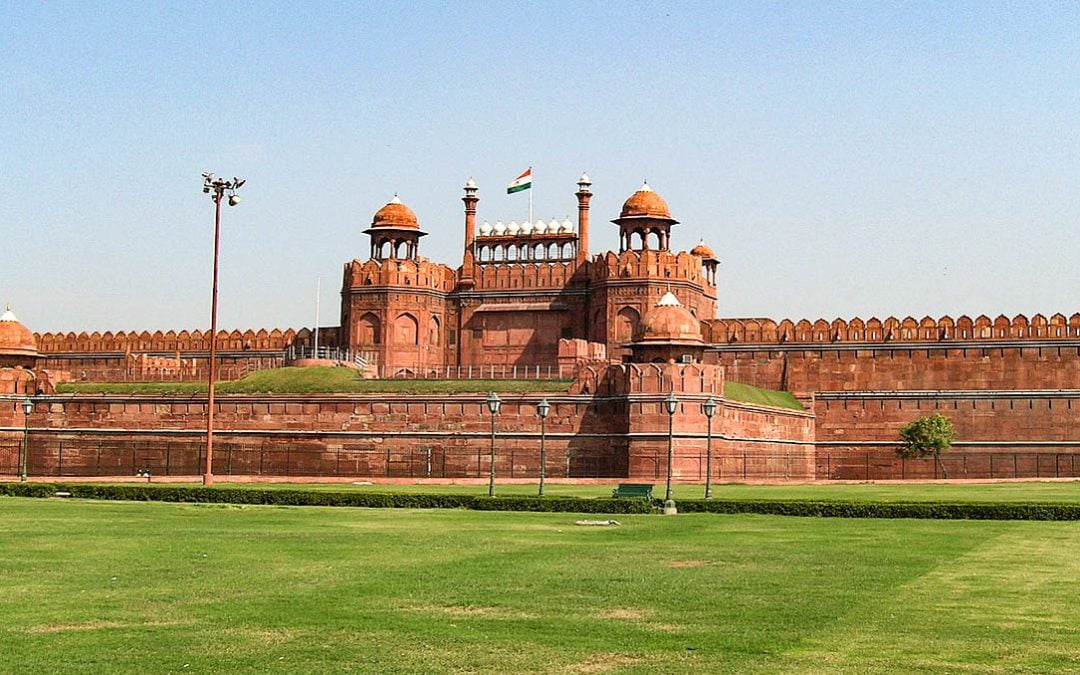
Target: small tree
925,437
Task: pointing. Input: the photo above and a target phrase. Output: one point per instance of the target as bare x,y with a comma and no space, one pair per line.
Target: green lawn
994,492
737,391
316,380
134,587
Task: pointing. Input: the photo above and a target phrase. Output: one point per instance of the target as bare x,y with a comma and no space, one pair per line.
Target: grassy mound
744,393
319,380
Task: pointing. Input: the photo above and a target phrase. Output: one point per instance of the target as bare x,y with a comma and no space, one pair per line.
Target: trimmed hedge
837,508
397,500
384,500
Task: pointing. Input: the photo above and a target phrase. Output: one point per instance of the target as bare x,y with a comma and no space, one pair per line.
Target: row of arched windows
405,330
525,252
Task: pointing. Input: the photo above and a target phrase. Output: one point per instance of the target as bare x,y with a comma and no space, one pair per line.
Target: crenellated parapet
419,273
529,275
168,341
650,264
892,329
649,379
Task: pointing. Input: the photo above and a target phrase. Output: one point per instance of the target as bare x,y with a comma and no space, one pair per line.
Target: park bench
632,491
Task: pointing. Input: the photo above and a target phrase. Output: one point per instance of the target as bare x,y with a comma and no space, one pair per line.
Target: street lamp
542,410
671,404
27,408
217,188
494,403
709,408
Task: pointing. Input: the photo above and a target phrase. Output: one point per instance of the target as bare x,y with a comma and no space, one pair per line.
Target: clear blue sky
842,159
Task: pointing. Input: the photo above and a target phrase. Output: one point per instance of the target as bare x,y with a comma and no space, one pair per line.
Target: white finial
645,187
584,180
470,184
669,300
395,199
8,315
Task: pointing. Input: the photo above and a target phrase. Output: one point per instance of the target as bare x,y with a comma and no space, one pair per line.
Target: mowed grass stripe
976,613
258,589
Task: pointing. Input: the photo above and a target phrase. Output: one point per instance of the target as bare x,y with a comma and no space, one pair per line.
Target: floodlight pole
216,188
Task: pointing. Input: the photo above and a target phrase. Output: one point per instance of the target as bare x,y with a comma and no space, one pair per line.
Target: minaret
470,200
583,197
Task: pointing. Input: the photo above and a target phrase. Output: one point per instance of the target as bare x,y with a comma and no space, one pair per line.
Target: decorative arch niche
406,330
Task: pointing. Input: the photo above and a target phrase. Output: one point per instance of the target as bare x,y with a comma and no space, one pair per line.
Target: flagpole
530,195
318,293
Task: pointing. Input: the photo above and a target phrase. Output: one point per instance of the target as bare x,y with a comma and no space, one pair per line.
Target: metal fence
237,455
368,361
883,465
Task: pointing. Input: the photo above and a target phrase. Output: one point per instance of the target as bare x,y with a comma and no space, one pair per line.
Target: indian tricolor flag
522,182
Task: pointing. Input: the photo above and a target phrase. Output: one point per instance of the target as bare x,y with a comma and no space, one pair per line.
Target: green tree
925,437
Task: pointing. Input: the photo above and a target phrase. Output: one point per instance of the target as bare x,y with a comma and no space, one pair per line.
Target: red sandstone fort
529,301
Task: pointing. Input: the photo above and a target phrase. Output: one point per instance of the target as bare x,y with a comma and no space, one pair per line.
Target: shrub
825,508
396,500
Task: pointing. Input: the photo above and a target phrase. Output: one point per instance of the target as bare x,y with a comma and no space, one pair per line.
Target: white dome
512,228
526,227
553,226
584,180
540,228
567,226
500,228
485,229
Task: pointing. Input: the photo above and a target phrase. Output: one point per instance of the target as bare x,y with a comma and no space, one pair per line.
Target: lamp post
216,188
27,408
709,408
542,410
494,403
671,404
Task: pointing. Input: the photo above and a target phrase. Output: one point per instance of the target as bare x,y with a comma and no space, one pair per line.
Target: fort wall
804,370
1028,433
389,435
893,329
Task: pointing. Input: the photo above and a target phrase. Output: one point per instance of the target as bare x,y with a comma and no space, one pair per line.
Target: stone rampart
1002,434
893,329
805,370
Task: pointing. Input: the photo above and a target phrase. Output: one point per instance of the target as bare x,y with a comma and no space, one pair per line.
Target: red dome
395,214
645,204
15,338
703,251
670,322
